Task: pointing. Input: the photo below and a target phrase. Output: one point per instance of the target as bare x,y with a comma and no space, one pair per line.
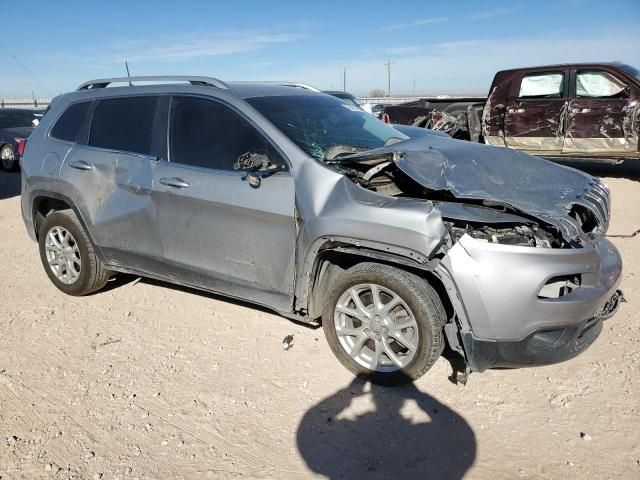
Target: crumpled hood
499,175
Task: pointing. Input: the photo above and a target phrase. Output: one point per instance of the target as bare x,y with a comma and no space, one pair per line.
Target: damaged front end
525,262
561,205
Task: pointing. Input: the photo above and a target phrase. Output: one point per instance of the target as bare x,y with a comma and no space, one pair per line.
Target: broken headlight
518,235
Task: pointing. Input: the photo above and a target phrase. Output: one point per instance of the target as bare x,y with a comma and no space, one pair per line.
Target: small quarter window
208,134
124,124
68,126
598,85
545,85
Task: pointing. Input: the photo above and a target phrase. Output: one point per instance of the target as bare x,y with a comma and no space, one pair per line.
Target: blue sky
440,47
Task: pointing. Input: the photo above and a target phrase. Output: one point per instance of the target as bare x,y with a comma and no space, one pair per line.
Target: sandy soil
146,380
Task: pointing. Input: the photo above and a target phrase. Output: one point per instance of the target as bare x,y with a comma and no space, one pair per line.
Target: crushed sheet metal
468,170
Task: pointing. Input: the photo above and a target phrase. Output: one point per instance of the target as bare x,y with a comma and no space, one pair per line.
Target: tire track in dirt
255,466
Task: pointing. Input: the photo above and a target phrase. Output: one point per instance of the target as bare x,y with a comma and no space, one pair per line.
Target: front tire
8,159
68,256
384,324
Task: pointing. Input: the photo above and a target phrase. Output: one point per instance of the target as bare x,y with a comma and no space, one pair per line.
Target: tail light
385,118
22,143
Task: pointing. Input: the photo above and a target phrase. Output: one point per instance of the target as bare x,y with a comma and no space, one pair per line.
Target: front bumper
540,348
504,321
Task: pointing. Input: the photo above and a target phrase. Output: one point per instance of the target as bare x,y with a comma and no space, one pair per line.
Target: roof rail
299,85
105,82
283,83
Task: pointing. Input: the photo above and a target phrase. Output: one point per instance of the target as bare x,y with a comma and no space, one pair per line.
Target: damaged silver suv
402,243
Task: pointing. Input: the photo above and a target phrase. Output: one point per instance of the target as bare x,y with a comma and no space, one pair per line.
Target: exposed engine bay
483,220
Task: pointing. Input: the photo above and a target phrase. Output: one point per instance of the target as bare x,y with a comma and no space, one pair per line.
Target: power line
29,72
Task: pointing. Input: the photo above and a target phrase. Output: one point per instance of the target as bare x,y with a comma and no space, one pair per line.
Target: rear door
217,230
534,116
110,172
599,120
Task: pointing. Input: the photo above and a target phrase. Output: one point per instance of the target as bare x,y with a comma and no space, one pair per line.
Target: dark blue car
16,124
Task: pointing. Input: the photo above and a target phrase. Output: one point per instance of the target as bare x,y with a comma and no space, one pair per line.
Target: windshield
14,119
318,122
629,70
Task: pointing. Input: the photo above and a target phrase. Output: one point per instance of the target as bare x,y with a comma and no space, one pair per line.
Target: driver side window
204,133
598,84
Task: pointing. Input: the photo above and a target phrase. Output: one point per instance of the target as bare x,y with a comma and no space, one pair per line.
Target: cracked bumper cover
506,324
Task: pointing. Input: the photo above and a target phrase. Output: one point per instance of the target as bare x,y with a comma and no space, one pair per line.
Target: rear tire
8,159
68,256
395,347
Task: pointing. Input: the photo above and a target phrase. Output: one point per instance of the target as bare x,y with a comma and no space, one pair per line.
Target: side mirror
251,161
35,122
257,166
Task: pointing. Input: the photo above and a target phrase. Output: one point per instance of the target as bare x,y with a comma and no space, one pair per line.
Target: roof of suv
240,89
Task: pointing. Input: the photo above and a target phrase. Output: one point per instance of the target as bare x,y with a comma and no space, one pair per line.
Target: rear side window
545,85
124,124
208,134
68,126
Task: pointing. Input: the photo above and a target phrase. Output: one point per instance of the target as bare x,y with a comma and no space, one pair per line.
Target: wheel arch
332,260
45,202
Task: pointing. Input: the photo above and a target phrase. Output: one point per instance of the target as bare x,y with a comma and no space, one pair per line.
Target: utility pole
126,65
344,79
388,64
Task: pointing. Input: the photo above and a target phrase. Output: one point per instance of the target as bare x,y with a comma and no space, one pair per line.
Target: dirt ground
146,380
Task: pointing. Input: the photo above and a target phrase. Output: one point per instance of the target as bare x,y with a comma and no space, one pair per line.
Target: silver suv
401,242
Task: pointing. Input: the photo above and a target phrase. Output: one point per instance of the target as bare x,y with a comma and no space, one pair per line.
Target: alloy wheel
63,255
376,327
7,156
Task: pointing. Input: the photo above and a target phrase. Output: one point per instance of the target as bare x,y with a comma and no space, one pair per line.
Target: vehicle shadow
629,169
9,184
382,443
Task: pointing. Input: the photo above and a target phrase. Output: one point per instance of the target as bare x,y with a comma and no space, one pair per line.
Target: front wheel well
332,263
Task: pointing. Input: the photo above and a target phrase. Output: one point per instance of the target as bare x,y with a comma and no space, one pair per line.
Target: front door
533,120
600,116
217,230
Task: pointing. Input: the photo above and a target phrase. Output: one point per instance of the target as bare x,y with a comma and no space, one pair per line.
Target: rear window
16,118
68,126
124,124
545,85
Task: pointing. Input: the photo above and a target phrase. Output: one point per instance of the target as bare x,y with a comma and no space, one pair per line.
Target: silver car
402,243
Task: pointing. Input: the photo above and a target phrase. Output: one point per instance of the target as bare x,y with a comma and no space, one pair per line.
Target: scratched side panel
113,199
535,125
602,127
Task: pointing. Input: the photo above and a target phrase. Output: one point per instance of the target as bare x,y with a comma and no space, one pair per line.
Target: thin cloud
496,12
425,48
417,23
194,46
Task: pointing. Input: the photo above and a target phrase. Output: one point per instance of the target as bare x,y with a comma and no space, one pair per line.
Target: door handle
517,110
80,165
174,182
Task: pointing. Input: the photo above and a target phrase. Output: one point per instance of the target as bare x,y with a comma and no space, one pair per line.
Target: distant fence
24,102
387,100
43,102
